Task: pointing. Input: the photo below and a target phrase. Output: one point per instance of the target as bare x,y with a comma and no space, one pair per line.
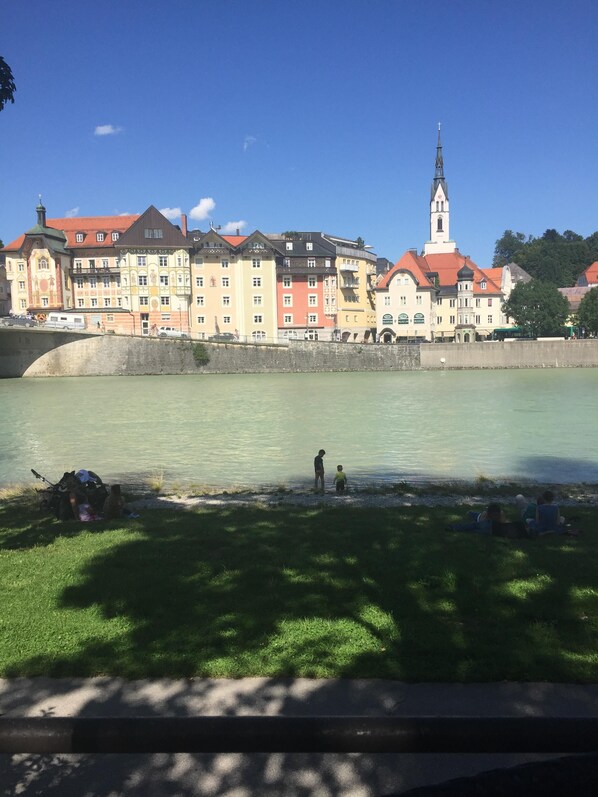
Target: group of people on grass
88,499
536,518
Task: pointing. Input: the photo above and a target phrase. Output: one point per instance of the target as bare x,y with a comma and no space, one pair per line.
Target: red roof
591,274
89,226
446,265
235,240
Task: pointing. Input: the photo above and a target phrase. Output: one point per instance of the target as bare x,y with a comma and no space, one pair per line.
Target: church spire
439,173
440,241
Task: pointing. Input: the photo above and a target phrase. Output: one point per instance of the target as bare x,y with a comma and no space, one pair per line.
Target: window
403,318
439,226
79,282
165,301
199,262
289,246
153,233
226,301
452,302
257,282
106,282
287,261
225,282
312,318
256,262
451,319
288,319
141,261
478,302
309,246
106,302
312,282
164,280
311,262
165,316
224,263
100,237
483,285
179,261
257,301
163,261
226,319
92,264
200,301
143,301
439,301
119,302
110,318
93,283
105,263
489,319
258,319
21,285
387,301
327,262
143,279
23,303
94,302
403,300
199,282
418,298
477,319
287,282
387,319
489,302
80,303
44,301
439,319
43,264
287,300
115,236
312,300
201,319
79,237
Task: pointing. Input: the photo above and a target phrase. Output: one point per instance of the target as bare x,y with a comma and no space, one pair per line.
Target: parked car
19,321
223,337
171,332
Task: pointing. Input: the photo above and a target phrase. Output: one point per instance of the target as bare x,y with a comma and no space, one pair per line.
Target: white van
64,321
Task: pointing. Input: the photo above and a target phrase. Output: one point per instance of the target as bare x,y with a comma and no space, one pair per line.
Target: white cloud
203,209
70,214
248,142
171,213
107,130
231,227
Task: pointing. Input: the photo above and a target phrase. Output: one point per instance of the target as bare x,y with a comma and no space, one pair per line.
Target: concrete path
267,775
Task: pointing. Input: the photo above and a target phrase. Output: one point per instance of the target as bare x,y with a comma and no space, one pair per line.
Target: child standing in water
340,479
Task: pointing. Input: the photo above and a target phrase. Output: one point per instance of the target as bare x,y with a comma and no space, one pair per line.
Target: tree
7,84
538,308
507,247
587,315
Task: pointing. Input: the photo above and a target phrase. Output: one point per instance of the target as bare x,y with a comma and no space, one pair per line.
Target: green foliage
587,315
538,308
304,592
7,84
200,354
553,257
291,235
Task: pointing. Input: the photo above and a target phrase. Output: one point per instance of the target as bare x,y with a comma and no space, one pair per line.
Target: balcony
182,290
346,267
350,283
94,270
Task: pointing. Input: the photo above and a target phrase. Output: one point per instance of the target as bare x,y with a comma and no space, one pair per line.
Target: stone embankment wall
44,353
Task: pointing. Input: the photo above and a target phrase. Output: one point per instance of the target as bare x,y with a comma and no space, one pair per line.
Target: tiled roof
590,275
446,265
574,296
235,240
89,226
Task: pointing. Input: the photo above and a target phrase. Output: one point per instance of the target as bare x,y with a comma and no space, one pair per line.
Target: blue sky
305,115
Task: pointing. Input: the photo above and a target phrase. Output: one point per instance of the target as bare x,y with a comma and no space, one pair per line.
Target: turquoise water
256,430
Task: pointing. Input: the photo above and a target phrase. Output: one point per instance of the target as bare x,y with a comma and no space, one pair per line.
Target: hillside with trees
555,258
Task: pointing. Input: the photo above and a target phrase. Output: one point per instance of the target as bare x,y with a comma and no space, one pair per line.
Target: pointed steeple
439,172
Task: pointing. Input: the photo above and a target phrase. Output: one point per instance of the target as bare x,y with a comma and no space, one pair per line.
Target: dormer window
115,236
79,237
309,246
289,246
100,236
483,285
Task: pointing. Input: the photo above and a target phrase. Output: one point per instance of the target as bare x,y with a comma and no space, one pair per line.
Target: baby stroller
86,485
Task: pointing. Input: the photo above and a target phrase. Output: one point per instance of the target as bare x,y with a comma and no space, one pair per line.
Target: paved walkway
267,775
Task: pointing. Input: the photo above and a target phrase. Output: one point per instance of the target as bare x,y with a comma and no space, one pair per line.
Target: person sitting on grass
548,519
481,522
340,479
114,505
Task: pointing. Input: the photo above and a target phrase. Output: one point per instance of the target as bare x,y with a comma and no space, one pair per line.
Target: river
248,431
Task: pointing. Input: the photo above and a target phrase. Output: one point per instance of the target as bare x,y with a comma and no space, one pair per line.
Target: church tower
439,210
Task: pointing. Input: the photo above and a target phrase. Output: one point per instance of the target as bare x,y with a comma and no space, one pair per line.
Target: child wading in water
340,479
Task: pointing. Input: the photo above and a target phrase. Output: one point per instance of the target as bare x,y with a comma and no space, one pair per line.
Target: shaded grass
318,592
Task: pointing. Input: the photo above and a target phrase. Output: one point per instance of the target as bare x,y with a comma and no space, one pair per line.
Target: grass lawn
319,592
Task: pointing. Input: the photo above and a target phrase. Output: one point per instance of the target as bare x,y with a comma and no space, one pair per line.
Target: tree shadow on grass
371,593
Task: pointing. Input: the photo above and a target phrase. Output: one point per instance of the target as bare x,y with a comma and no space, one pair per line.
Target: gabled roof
88,225
445,265
152,220
235,240
574,296
590,275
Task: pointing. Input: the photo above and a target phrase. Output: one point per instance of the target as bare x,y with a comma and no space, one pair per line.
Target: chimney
184,224
238,231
